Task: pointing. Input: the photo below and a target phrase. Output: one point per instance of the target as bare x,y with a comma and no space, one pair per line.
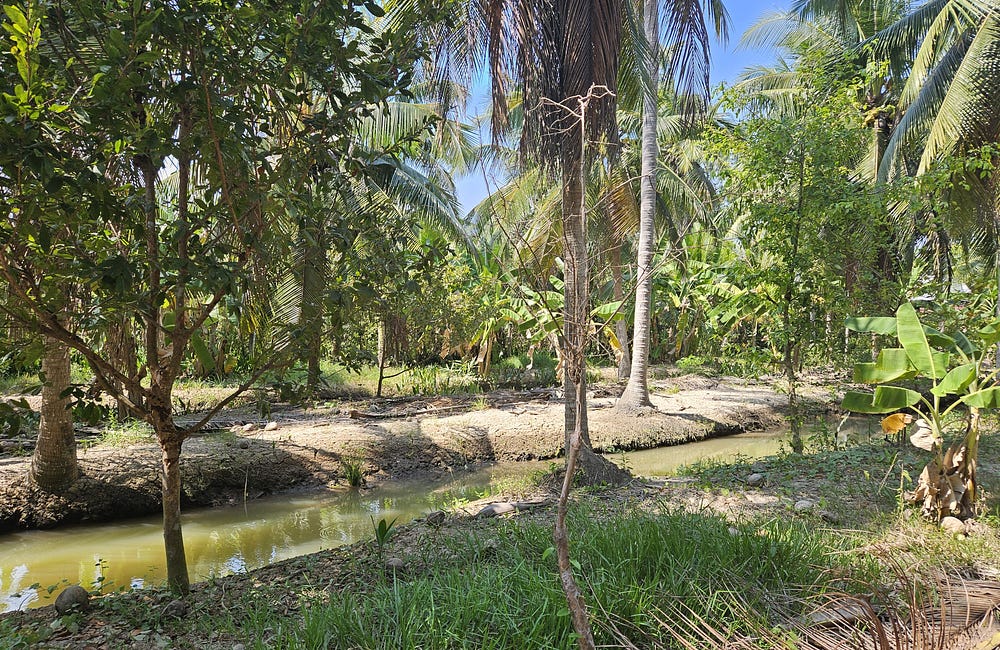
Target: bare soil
396,438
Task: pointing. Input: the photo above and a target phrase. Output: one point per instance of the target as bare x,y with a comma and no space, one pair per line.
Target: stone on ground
72,597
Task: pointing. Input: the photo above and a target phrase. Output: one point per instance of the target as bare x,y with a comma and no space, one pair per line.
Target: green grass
20,383
124,434
507,595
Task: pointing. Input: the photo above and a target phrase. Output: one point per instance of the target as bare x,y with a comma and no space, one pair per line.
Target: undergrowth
508,595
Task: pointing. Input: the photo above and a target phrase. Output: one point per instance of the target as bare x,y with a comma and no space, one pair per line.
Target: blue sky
727,63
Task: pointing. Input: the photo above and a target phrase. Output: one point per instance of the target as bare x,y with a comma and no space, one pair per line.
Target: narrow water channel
229,540
219,541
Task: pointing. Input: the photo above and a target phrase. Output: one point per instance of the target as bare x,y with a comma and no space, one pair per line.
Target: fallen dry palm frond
951,614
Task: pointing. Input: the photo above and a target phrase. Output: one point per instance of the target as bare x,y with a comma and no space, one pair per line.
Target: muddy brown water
35,565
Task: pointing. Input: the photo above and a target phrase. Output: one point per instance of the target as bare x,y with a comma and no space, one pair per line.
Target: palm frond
967,112
686,41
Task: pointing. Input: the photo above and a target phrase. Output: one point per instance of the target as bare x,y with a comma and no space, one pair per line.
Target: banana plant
953,365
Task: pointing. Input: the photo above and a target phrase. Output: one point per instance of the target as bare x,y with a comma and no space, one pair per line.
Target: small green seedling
383,531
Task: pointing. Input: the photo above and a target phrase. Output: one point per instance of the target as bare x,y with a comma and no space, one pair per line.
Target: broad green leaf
891,398
868,373
872,324
956,381
201,351
607,310
892,364
911,336
939,339
862,403
964,344
984,399
941,362
991,333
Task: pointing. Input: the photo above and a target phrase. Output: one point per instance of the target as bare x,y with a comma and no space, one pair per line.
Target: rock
803,505
829,517
239,646
72,597
734,531
244,444
953,525
395,564
495,509
174,609
271,426
435,518
248,427
755,480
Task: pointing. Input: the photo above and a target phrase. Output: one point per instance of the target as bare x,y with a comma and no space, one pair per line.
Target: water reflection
664,461
237,539
218,541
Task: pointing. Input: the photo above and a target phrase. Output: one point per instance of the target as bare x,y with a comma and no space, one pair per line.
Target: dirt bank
393,439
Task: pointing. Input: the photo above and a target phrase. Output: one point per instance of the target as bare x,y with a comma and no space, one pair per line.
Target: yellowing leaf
895,423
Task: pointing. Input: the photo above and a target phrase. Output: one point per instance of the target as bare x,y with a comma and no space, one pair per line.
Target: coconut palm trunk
621,327
53,464
636,394
315,269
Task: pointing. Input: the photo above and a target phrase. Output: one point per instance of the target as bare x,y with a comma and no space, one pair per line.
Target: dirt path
392,439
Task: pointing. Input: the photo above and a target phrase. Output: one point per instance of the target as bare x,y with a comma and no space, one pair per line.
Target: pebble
953,525
239,646
72,597
244,444
271,426
755,480
802,505
249,426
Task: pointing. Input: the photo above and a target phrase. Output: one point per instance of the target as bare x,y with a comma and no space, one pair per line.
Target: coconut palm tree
687,58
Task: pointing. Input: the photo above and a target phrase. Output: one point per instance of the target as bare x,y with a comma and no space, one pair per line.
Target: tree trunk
576,315
791,340
122,354
53,464
162,364
574,599
381,354
576,322
621,327
636,394
314,273
173,538
996,272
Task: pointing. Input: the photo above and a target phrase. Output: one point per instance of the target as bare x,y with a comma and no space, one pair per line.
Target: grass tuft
353,468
